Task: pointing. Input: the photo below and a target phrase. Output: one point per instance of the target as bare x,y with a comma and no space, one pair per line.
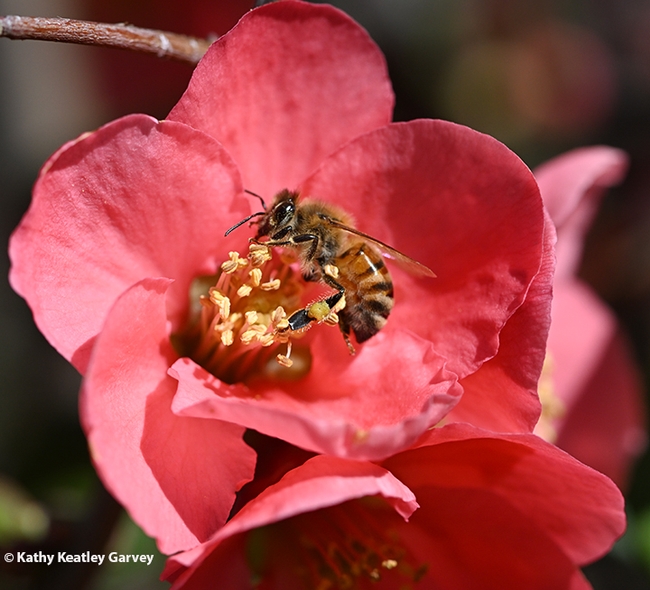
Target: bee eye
284,212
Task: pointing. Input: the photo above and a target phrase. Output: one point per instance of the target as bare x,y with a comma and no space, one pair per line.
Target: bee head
277,221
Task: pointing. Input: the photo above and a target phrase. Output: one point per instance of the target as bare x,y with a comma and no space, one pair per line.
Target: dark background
541,76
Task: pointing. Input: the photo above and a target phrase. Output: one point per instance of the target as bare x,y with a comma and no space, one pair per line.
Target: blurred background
542,76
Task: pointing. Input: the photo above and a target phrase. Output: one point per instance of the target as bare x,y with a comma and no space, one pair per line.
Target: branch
123,36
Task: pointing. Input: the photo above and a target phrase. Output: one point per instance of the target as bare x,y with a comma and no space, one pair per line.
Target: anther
221,301
242,310
234,263
284,359
227,337
278,314
258,254
273,285
244,290
251,317
256,277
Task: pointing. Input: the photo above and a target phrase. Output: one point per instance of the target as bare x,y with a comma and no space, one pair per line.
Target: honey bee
333,252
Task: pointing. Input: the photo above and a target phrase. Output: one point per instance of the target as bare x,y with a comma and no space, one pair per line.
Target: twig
123,36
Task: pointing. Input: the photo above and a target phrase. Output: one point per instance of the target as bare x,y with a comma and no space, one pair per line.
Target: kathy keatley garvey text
85,557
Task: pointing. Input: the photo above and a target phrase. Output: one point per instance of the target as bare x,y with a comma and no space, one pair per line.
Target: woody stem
123,36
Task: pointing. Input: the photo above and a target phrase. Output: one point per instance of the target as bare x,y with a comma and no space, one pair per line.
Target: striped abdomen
368,290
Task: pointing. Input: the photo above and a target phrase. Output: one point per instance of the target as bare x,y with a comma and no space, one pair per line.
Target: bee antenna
256,195
243,221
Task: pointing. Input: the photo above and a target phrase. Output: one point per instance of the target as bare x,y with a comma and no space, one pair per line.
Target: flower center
343,547
239,320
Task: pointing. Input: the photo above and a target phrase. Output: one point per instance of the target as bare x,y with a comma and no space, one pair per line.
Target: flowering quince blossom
495,511
127,225
595,410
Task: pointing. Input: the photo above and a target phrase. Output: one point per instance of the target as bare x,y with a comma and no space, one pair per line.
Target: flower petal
588,357
578,508
482,522
285,87
176,476
593,374
136,198
457,201
365,408
572,185
470,538
502,395
319,483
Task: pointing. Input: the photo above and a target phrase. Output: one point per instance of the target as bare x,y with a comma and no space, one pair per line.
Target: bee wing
403,261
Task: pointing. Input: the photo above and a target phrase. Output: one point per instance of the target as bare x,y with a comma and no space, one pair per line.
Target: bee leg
276,240
302,318
271,243
346,337
299,319
345,332
332,300
304,238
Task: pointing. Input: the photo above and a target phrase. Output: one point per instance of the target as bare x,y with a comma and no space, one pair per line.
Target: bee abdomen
369,292
383,287
367,317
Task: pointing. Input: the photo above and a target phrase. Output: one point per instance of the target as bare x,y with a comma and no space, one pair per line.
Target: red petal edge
577,507
116,206
285,87
356,420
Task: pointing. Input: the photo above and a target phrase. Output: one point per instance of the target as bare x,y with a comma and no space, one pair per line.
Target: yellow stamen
253,333
273,285
267,339
241,312
234,264
244,291
278,314
227,337
259,254
389,564
251,316
221,301
284,360
256,276
351,545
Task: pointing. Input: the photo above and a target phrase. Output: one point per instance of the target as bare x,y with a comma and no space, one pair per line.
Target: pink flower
600,416
126,221
495,511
